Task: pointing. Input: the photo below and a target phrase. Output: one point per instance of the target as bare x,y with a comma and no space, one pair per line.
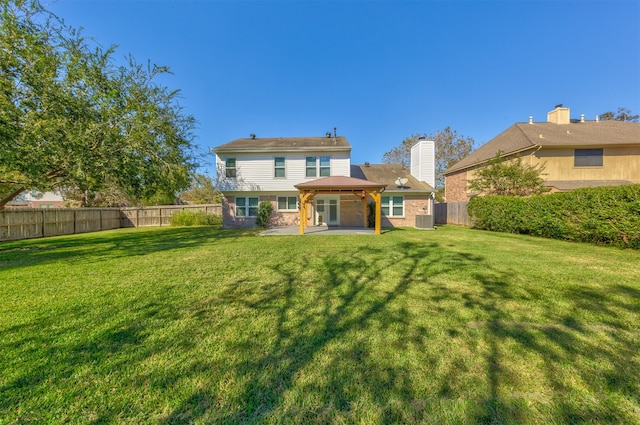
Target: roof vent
252,135
581,117
422,137
530,119
328,134
366,164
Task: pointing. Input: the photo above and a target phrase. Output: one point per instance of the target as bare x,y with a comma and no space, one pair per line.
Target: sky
379,71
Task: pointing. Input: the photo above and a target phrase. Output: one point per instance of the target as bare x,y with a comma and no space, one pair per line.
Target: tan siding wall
619,163
456,187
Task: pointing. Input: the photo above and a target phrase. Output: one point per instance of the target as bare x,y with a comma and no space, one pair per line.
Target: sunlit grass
175,325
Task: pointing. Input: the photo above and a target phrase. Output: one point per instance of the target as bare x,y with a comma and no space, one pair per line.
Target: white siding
423,162
255,171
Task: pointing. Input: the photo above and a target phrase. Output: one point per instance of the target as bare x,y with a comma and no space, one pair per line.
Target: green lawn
180,325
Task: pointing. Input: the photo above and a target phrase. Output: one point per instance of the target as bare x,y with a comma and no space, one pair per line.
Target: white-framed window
318,166
587,157
247,207
230,167
325,166
278,167
287,203
311,166
393,206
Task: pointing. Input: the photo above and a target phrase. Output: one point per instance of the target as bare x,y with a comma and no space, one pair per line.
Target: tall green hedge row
603,215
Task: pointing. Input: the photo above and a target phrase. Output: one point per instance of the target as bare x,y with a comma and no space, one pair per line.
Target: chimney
559,115
423,161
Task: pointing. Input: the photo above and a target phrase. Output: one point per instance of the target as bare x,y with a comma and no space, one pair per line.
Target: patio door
328,210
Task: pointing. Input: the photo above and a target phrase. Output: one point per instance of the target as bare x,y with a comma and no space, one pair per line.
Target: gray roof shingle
523,136
387,174
285,144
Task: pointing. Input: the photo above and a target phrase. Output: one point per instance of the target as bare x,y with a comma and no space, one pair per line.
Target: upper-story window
278,167
230,167
587,158
318,166
325,166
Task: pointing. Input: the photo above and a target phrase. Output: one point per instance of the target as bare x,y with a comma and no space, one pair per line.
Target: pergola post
378,198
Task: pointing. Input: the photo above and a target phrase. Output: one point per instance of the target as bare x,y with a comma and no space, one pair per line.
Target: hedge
603,215
195,218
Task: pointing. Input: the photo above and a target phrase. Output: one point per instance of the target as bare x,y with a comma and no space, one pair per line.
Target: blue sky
379,71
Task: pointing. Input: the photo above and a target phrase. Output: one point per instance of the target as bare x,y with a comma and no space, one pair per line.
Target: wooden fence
452,213
18,224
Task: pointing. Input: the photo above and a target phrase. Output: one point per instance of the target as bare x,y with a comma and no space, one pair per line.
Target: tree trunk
4,201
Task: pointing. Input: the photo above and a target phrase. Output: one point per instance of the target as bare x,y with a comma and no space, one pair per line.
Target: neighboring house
35,199
318,172
574,153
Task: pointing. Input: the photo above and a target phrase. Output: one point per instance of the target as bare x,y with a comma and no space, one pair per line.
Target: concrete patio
317,230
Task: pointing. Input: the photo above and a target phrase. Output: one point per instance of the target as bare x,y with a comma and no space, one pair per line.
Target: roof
388,174
523,136
339,182
285,144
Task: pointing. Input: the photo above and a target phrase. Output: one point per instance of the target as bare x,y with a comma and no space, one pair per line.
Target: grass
199,325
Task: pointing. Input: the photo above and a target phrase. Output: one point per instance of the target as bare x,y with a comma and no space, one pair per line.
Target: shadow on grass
329,327
97,246
329,312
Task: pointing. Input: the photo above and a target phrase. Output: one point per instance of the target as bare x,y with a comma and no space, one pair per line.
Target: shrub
603,215
195,218
264,214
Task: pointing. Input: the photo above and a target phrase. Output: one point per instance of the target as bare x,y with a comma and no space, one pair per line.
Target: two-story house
575,153
311,181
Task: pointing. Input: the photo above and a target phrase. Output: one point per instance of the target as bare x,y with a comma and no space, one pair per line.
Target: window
278,167
311,166
393,206
325,166
230,167
587,158
313,170
247,207
287,203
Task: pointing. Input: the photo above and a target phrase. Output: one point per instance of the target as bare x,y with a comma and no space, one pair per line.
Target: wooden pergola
360,188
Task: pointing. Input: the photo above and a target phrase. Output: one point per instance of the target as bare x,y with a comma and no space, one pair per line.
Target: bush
264,214
195,218
603,215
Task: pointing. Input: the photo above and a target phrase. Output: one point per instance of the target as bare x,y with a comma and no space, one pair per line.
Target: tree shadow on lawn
98,246
584,376
326,322
587,375
330,313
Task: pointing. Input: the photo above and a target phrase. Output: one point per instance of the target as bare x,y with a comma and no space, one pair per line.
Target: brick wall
413,205
456,187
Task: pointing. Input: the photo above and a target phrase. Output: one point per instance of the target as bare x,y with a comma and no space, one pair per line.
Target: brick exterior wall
351,213
456,187
413,205
278,218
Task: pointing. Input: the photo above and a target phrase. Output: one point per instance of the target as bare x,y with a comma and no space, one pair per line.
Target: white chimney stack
423,161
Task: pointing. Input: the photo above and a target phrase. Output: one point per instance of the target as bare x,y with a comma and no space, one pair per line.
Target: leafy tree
202,191
511,178
623,114
449,149
71,118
